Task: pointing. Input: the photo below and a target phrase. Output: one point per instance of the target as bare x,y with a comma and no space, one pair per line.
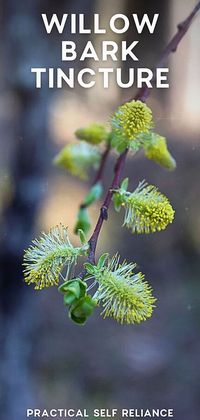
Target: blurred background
46,361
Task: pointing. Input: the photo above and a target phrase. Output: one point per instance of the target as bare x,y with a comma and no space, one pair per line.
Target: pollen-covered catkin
146,209
45,258
124,295
132,119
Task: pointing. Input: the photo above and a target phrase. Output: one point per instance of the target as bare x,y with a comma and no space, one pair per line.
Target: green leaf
82,236
94,194
87,305
117,200
118,143
75,286
69,298
83,221
77,320
124,184
90,268
82,309
121,144
63,287
102,260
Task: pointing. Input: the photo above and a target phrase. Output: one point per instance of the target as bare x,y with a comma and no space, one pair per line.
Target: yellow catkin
77,158
132,119
95,133
157,150
44,260
146,209
125,296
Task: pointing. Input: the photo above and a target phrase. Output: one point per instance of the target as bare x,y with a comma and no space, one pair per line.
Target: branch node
181,26
104,213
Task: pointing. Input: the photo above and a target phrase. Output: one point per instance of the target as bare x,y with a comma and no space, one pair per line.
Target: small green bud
75,286
78,320
94,133
69,298
82,309
83,221
94,194
63,288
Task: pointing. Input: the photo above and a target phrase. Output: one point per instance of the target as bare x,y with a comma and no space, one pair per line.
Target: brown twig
104,209
141,95
102,165
100,171
183,27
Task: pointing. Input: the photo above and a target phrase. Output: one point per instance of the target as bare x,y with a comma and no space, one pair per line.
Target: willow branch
104,209
142,95
100,171
183,27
